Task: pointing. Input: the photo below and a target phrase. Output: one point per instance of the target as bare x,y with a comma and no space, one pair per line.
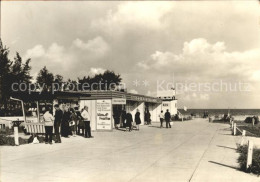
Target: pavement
196,151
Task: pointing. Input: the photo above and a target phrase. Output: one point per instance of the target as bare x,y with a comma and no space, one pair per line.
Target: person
137,119
86,118
161,116
65,123
80,123
48,124
123,118
116,118
57,122
167,117
129,120
148,117
73,121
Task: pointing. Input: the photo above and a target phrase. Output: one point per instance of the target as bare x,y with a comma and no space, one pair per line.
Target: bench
34,128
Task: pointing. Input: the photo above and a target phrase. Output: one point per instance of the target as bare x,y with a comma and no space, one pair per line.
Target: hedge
242,160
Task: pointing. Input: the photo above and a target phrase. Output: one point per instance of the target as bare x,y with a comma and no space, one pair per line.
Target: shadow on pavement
226,147
223,165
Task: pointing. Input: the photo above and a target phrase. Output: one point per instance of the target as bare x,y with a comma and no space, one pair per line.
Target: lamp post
16,136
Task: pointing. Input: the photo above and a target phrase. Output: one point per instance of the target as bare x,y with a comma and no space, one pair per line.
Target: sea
238,114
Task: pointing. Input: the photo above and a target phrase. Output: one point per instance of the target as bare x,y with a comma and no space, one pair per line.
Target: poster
104,120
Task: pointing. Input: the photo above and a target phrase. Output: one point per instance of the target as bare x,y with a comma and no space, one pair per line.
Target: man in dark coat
167,117
137,119
129,120
123,118
57,122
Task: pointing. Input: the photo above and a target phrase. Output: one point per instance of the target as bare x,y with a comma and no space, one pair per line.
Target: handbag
72,123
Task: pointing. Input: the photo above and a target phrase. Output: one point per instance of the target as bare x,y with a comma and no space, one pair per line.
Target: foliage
45,79
250,119
7,140
11,72
242,160
106,81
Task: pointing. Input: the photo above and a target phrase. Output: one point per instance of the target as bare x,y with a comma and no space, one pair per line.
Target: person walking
48,124
57,122
161,116
167,117
137,119
86,118
129,120
65,130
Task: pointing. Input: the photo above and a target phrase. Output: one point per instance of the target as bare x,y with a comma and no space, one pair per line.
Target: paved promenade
189,151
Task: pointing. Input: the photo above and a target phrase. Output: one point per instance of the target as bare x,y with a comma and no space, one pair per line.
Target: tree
11,72
106,81
58,80
45,79
20,72
5,77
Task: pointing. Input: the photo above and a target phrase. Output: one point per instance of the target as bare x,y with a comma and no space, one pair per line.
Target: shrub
242,160
250,119
7,140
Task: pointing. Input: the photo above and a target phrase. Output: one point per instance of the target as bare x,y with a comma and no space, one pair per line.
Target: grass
250,129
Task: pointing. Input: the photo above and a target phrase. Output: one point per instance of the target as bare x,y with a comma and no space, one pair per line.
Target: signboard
104,109
166,105
119,101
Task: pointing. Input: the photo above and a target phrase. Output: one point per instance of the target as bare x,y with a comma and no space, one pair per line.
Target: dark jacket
137,118
129,119
167,116
58,117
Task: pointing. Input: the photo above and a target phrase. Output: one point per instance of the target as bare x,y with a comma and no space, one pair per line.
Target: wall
155,110
171,105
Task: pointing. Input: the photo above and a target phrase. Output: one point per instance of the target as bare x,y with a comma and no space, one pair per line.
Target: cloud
35,52
204,60
133,91
94,71
97,45
135,14
67,60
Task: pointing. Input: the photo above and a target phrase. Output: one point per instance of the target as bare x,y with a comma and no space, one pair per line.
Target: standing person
57,122
123,118
73,121
86,118
48,124
129,120
161,116
148,117
65,123
80,123
137,119
167,117
116,118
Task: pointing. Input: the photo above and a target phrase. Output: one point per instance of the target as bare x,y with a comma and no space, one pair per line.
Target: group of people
66,122
167,117
127,120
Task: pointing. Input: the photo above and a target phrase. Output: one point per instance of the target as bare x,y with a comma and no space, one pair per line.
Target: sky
209,51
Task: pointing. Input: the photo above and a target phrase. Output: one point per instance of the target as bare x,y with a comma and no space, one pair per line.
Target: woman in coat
137,119
65,129
129,120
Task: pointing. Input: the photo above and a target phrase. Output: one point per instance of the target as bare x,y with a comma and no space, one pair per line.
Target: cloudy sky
151,44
